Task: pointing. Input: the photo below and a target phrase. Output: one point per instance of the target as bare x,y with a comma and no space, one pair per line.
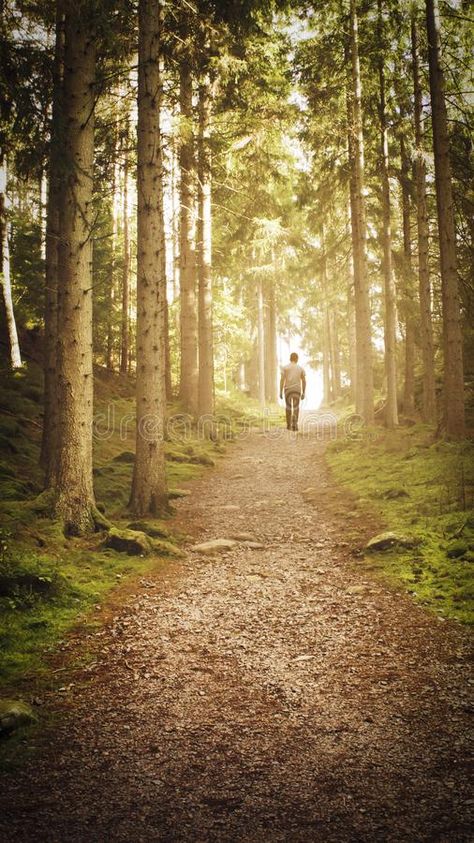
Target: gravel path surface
271,693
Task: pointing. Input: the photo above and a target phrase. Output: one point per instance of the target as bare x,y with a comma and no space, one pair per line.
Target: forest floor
280,692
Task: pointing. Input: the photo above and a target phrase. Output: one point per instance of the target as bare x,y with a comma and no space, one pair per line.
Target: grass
49,584
422,487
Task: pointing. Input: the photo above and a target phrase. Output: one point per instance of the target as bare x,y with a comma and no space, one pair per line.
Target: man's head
293,357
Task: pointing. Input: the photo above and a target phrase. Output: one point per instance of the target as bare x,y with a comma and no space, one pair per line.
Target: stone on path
243,537
213,546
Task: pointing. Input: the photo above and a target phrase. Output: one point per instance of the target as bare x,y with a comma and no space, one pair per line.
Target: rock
125,456
384,541
242,537
457,549
132,542
394,494
214,546
357,589
13,714
156,531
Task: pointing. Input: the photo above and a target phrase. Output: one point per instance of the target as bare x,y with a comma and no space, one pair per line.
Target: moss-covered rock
13,714
384,541
131,542
151,528
125,456
137,543
457,549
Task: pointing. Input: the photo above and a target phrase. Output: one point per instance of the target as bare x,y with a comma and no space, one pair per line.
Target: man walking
293,383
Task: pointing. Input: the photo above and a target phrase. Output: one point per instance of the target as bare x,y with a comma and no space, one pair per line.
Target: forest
191,190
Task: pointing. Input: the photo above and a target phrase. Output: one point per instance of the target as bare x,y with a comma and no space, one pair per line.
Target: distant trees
376,50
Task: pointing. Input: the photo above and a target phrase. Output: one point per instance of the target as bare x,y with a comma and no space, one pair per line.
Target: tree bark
364,376
424,284
72,482
206,353
149,492
452,335
50,420
189,374
260,343
14,355
124,326
271,357
109,354
390,337
408,297
335,356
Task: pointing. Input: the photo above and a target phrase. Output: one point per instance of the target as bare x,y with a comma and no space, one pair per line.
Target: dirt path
273,694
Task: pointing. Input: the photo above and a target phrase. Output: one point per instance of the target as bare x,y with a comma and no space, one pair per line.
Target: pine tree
149,493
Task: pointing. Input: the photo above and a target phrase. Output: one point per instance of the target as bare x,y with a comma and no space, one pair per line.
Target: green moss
412,485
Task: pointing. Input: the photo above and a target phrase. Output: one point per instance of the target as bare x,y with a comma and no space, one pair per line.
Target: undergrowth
416,485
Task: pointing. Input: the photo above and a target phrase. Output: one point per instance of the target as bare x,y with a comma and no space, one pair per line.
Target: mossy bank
409,482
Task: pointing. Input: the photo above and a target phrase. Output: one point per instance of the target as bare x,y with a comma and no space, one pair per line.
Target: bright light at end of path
314,377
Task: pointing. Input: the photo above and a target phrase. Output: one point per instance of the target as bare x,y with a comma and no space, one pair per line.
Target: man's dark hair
294,357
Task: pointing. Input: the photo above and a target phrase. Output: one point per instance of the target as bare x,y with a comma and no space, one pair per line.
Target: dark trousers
292,400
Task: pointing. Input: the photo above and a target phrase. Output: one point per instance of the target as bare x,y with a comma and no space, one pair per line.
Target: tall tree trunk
73,489
364,377
125,324
351,330
390,337
452,336
7,299
260,343
335,356
189,375
149,493
424,285
327,395
112,265
206,353
271,357
408,303
50,420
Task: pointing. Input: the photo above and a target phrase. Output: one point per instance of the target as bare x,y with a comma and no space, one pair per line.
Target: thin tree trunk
408,304
335,357
452,336
271,359
424,285
390,337
125,325
364,378
73,488
260,343
189,375
206,353
327,396
7,299
109,354
149,492
50,420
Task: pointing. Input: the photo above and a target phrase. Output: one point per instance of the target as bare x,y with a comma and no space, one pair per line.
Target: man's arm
303,384
282,384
